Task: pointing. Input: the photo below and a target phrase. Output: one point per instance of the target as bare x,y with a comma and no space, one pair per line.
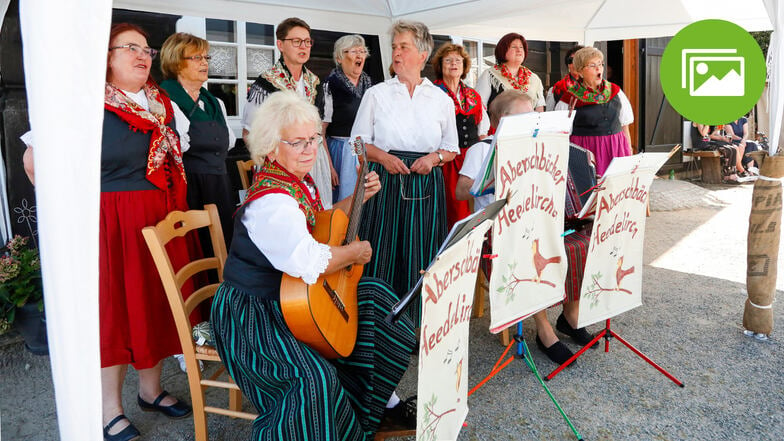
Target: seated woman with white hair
299,394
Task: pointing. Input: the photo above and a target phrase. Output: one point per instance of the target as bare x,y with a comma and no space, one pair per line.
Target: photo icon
713,72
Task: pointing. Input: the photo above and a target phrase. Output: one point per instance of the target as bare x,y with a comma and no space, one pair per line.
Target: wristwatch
440,158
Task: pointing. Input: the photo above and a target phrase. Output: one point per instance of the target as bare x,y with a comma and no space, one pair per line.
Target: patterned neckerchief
467,101
273,178
338,78
280,77
521,82
586,95
164,158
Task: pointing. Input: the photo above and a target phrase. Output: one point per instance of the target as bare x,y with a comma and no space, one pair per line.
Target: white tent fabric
67,153
776,76
66,117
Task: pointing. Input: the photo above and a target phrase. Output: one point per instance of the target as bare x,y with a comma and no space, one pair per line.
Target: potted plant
21,294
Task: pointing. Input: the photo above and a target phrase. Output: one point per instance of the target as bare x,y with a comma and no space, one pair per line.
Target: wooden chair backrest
245,169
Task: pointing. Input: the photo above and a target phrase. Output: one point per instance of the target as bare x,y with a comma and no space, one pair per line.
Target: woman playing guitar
299,393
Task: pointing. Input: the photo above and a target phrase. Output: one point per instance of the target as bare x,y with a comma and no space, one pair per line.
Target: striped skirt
300,395
405,224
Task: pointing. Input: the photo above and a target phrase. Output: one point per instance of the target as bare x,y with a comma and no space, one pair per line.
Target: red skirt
137,327
455,209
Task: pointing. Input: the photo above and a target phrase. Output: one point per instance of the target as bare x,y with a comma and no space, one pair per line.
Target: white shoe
181,360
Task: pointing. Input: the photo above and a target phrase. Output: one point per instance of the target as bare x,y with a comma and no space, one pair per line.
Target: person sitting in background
299,394
738,131
701,140
343,91
512,102
185,65
451,64
555,93
734,152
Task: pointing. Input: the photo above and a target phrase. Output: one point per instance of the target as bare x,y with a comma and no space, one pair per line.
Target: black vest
247,269
344,109
209,145
124,156
598,119
467,131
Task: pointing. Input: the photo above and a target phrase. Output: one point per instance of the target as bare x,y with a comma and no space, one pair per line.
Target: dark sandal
400,417
176,410
130,433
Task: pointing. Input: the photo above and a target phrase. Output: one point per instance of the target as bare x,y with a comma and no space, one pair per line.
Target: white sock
393,400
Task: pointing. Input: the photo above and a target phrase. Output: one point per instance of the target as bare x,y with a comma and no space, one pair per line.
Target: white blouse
184,124
279,230
486,81
625,116
391,119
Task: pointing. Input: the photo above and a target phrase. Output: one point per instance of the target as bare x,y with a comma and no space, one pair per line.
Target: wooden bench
710,163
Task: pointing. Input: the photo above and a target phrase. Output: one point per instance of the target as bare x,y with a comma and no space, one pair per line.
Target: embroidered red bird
540,261
621,273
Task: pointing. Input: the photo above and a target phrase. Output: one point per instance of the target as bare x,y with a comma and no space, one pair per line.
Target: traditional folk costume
599,120
472,121
299,394
142,180
497,79
341,102
557,91
205,160
406,221
276,78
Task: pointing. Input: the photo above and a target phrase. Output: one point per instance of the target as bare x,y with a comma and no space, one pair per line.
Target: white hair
422,38
345,43
280,110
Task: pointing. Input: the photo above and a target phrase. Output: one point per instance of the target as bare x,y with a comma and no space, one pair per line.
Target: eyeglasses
453,60
137,50
595,65
356,52
198,58
402,191
300,144
298,42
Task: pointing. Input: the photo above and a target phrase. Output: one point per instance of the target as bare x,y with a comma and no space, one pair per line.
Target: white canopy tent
68,39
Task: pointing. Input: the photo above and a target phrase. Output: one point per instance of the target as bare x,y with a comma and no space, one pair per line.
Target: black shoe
558,353
580,336
176,410
401,417
130,433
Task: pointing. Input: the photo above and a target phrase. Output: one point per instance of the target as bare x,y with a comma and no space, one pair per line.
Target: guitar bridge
333,295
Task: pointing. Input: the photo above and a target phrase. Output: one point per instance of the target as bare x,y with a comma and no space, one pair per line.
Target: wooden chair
177,224
245,169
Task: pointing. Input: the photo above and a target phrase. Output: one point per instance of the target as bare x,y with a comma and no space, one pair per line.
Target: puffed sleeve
232,136
279,230
484,124
626,115
483,86
449,125
363,123
327,104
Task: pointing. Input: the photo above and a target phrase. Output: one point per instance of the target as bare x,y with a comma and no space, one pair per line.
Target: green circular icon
712,72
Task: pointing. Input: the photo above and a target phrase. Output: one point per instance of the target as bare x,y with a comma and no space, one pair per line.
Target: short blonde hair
278,111
422,38
174,49
584,55
345,43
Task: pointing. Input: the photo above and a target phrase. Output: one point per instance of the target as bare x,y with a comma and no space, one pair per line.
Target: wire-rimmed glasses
137,50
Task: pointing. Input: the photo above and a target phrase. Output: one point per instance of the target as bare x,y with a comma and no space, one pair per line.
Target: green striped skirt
405,224
300,395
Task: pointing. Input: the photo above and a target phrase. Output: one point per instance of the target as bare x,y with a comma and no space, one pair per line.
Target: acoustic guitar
324,315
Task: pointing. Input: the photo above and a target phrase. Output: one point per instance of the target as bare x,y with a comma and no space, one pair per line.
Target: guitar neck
356,204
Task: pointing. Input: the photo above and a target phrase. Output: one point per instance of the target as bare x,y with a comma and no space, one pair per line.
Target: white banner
530,264
612,283
448,295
